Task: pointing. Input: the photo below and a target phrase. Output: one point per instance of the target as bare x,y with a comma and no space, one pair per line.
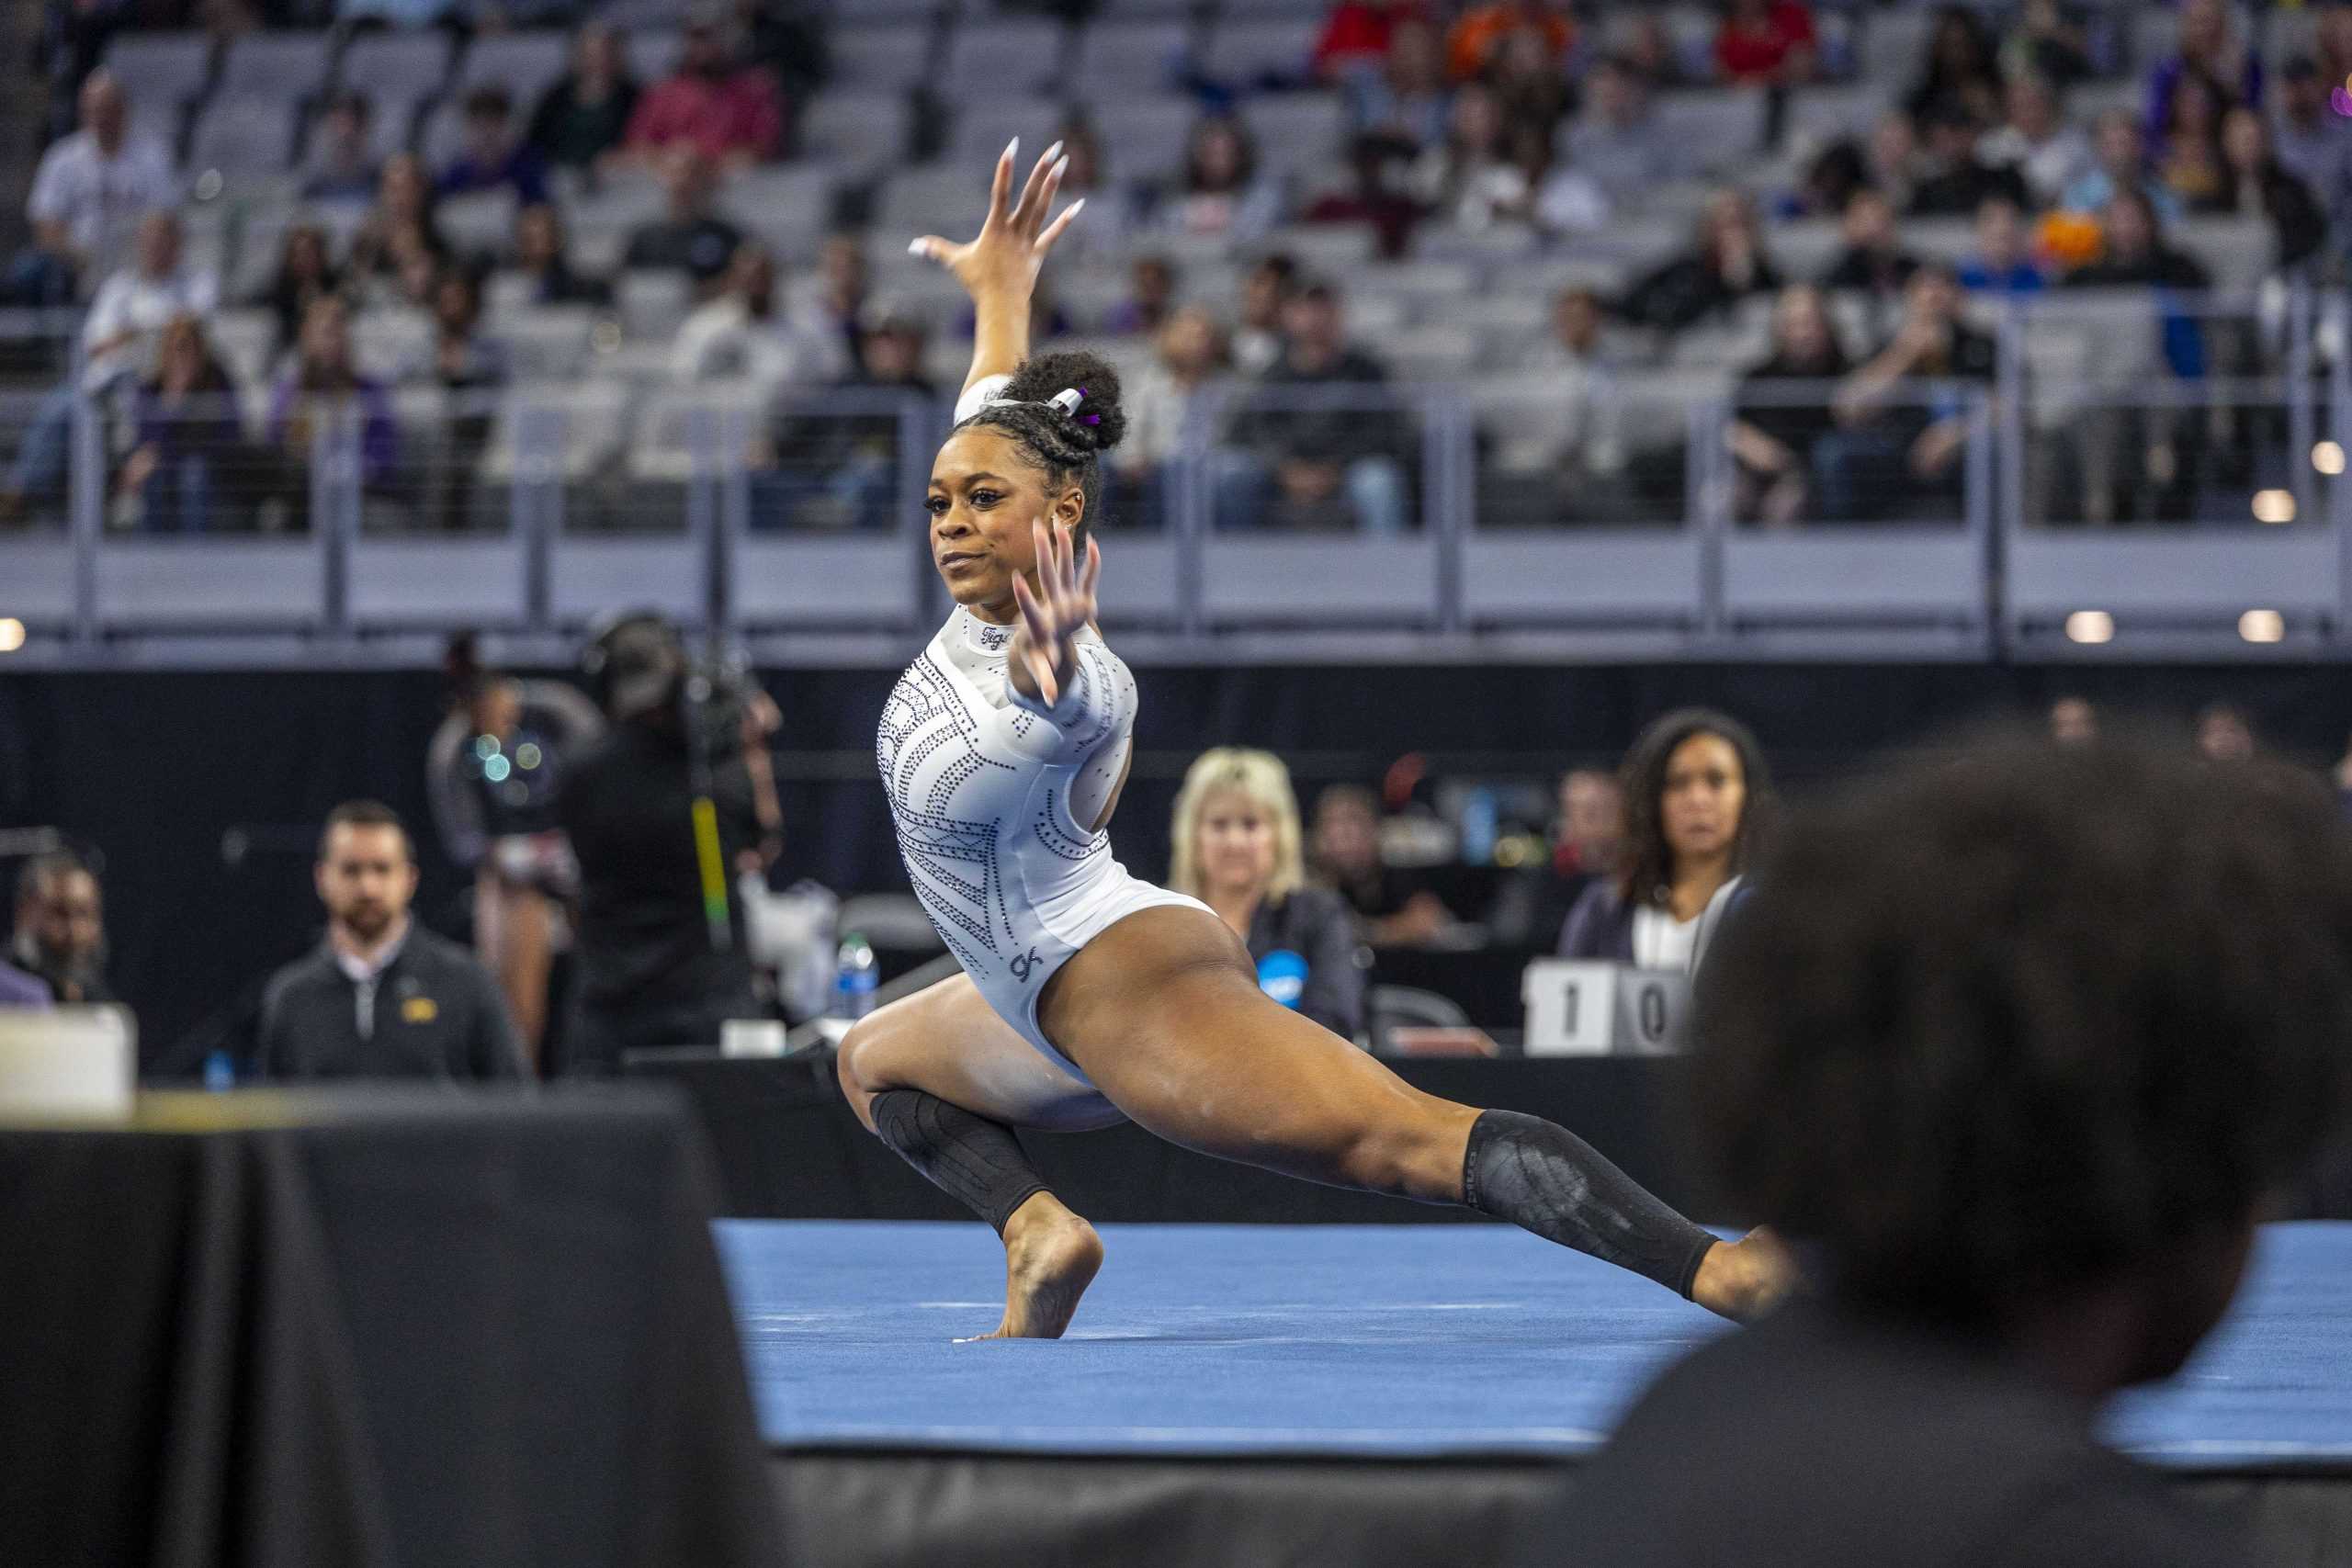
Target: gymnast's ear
1069,510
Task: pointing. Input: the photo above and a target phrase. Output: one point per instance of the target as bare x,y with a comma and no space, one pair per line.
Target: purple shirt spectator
288,425
519,170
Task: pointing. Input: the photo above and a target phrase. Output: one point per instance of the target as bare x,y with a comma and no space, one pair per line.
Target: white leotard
994,797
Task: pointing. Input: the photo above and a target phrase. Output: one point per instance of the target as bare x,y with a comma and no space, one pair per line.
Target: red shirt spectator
729,113
1482,29
1765,41
1356,33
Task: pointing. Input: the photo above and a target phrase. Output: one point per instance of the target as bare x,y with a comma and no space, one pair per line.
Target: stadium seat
1439,352
587,424
984,124
1719,126
878,59
478,222
652,53
277,68
1114,58
1003,55
245,340
1296,132
1892,50
1248,53
652,304
525,64
1820,115
239,136
398,68
860,133
685,430
385,341
160,71
545,343
1144,133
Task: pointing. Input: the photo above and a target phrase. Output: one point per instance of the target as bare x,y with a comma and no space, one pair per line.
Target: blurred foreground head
2023,1025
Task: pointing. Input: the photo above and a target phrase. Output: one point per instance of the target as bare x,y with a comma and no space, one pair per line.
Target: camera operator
491,773
662,958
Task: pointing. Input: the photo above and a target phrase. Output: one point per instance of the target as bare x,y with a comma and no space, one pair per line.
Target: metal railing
1619,514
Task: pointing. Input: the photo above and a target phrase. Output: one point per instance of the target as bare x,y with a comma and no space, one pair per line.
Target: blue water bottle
1478,813
854,980
219,1072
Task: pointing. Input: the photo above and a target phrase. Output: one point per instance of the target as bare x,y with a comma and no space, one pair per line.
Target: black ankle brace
972,1159
1544,1179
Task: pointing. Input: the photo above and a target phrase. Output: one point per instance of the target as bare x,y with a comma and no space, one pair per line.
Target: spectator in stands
1530,82
118,334
1356,35
1897,442
690,237
2048,44
1468,181
2254,184
2073,721
2309,136
1997,1239
1618,140
1111,207
1647,48
342,169
1893,160
2134,252
1764,43
1234,844
1587,838
492,159
2208,48
2003,262
1151,299
1957,183
584,118
1696,797
2122,164
1221,191
1381,197
1779,426
833,321
325,386
1829,181
306,271
2188,151
1725,264
1582,444
1316,448
2224,734
399,249
1344,853
730,113
2161,474
470,366
1163,401
61,931
540,256
88,194
1962,79
1266,289
746,334
381,996
1406,101
2035,140
189,466
1561,197
833,461
1873,260
1478,38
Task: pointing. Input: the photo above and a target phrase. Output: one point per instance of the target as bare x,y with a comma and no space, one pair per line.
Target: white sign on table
1581,1008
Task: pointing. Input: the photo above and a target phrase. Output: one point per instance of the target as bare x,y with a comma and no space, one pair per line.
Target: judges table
286,1329
788,1147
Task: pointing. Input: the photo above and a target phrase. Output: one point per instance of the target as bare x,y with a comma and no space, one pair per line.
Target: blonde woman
1236,848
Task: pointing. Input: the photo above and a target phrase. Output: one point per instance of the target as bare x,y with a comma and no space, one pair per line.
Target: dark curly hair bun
1100,422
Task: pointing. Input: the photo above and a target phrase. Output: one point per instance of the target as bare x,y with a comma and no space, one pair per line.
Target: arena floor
1374,1341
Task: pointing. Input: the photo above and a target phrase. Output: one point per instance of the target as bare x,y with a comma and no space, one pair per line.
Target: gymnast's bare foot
1741,1279
1050,1257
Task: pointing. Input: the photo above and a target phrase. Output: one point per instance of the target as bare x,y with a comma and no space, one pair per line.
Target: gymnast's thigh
946,1041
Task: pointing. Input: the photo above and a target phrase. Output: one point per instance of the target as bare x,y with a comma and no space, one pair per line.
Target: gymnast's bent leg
943,1080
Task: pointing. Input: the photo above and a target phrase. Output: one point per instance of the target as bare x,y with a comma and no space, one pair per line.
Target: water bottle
854,980
1478,813
219,1072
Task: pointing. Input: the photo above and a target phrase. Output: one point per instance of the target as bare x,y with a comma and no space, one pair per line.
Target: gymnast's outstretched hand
1003,260
1053,612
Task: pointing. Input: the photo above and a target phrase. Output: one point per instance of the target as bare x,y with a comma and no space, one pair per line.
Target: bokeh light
11,634
495,769
2090,625
2262,625
2274,506
2341,102
2328,457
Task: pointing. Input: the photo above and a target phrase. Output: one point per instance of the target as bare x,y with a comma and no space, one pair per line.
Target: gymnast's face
1237,842
986,495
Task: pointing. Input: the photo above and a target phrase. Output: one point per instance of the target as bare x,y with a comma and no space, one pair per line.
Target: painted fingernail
1060,167
1054,151
1076,208
915,248
1013,149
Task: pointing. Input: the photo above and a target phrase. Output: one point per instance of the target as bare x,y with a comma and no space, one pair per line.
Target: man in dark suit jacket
381,998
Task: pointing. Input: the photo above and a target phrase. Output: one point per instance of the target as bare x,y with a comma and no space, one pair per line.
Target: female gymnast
1089,997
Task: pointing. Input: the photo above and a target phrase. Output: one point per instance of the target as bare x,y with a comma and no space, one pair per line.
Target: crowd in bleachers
684,232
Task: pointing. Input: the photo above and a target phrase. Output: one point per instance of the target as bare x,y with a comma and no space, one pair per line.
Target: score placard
1580,1008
